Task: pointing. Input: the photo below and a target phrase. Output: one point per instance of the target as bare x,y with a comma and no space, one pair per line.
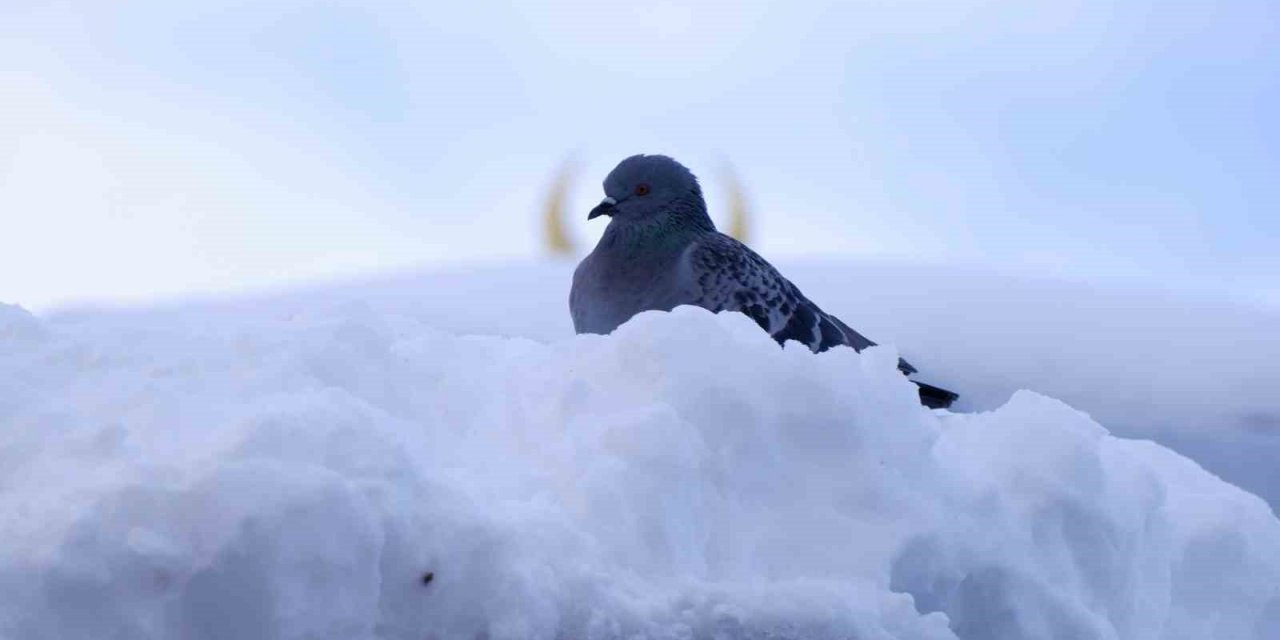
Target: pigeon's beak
605,208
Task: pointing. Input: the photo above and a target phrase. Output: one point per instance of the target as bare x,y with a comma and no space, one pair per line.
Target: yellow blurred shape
739,213
554,232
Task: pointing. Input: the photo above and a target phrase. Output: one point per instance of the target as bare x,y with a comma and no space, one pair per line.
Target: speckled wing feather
728,276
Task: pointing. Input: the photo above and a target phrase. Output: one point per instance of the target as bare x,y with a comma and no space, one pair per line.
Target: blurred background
159,148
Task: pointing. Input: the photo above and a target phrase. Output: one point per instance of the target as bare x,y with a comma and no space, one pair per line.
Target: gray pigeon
661,250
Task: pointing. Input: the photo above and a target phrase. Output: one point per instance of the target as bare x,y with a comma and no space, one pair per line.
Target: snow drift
297,474
1196,375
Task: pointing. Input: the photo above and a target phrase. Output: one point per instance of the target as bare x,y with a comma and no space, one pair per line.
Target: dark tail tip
935,397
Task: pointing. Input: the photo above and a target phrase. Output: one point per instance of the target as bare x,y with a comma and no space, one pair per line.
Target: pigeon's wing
725,275
728,276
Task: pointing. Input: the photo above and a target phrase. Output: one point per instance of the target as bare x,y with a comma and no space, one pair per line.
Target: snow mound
299,475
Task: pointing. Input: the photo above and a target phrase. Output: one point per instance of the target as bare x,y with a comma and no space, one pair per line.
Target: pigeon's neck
671,228
691,212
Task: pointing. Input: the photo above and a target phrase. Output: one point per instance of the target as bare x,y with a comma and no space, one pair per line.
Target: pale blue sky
158,148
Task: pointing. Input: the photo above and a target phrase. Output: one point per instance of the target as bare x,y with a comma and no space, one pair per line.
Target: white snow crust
1201,376
294,469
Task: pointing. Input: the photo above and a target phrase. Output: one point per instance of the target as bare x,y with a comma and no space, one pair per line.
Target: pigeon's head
643,186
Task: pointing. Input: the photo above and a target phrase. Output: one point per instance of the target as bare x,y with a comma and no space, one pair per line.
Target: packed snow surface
296,471
1199,376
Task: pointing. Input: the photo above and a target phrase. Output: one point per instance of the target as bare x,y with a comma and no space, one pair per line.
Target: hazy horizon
162,150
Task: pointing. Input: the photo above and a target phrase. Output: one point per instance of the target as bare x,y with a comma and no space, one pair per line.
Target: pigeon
661,250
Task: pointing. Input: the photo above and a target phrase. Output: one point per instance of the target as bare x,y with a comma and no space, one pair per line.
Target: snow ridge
296,475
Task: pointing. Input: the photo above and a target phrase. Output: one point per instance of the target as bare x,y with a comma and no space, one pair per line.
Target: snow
1199,376
292,465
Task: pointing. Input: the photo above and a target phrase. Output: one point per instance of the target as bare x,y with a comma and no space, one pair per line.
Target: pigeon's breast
608,290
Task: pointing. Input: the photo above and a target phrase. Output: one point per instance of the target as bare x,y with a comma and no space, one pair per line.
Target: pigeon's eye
642,189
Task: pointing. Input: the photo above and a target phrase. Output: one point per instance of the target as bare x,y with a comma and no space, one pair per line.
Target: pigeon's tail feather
935,397
930,396
831,332
857,340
